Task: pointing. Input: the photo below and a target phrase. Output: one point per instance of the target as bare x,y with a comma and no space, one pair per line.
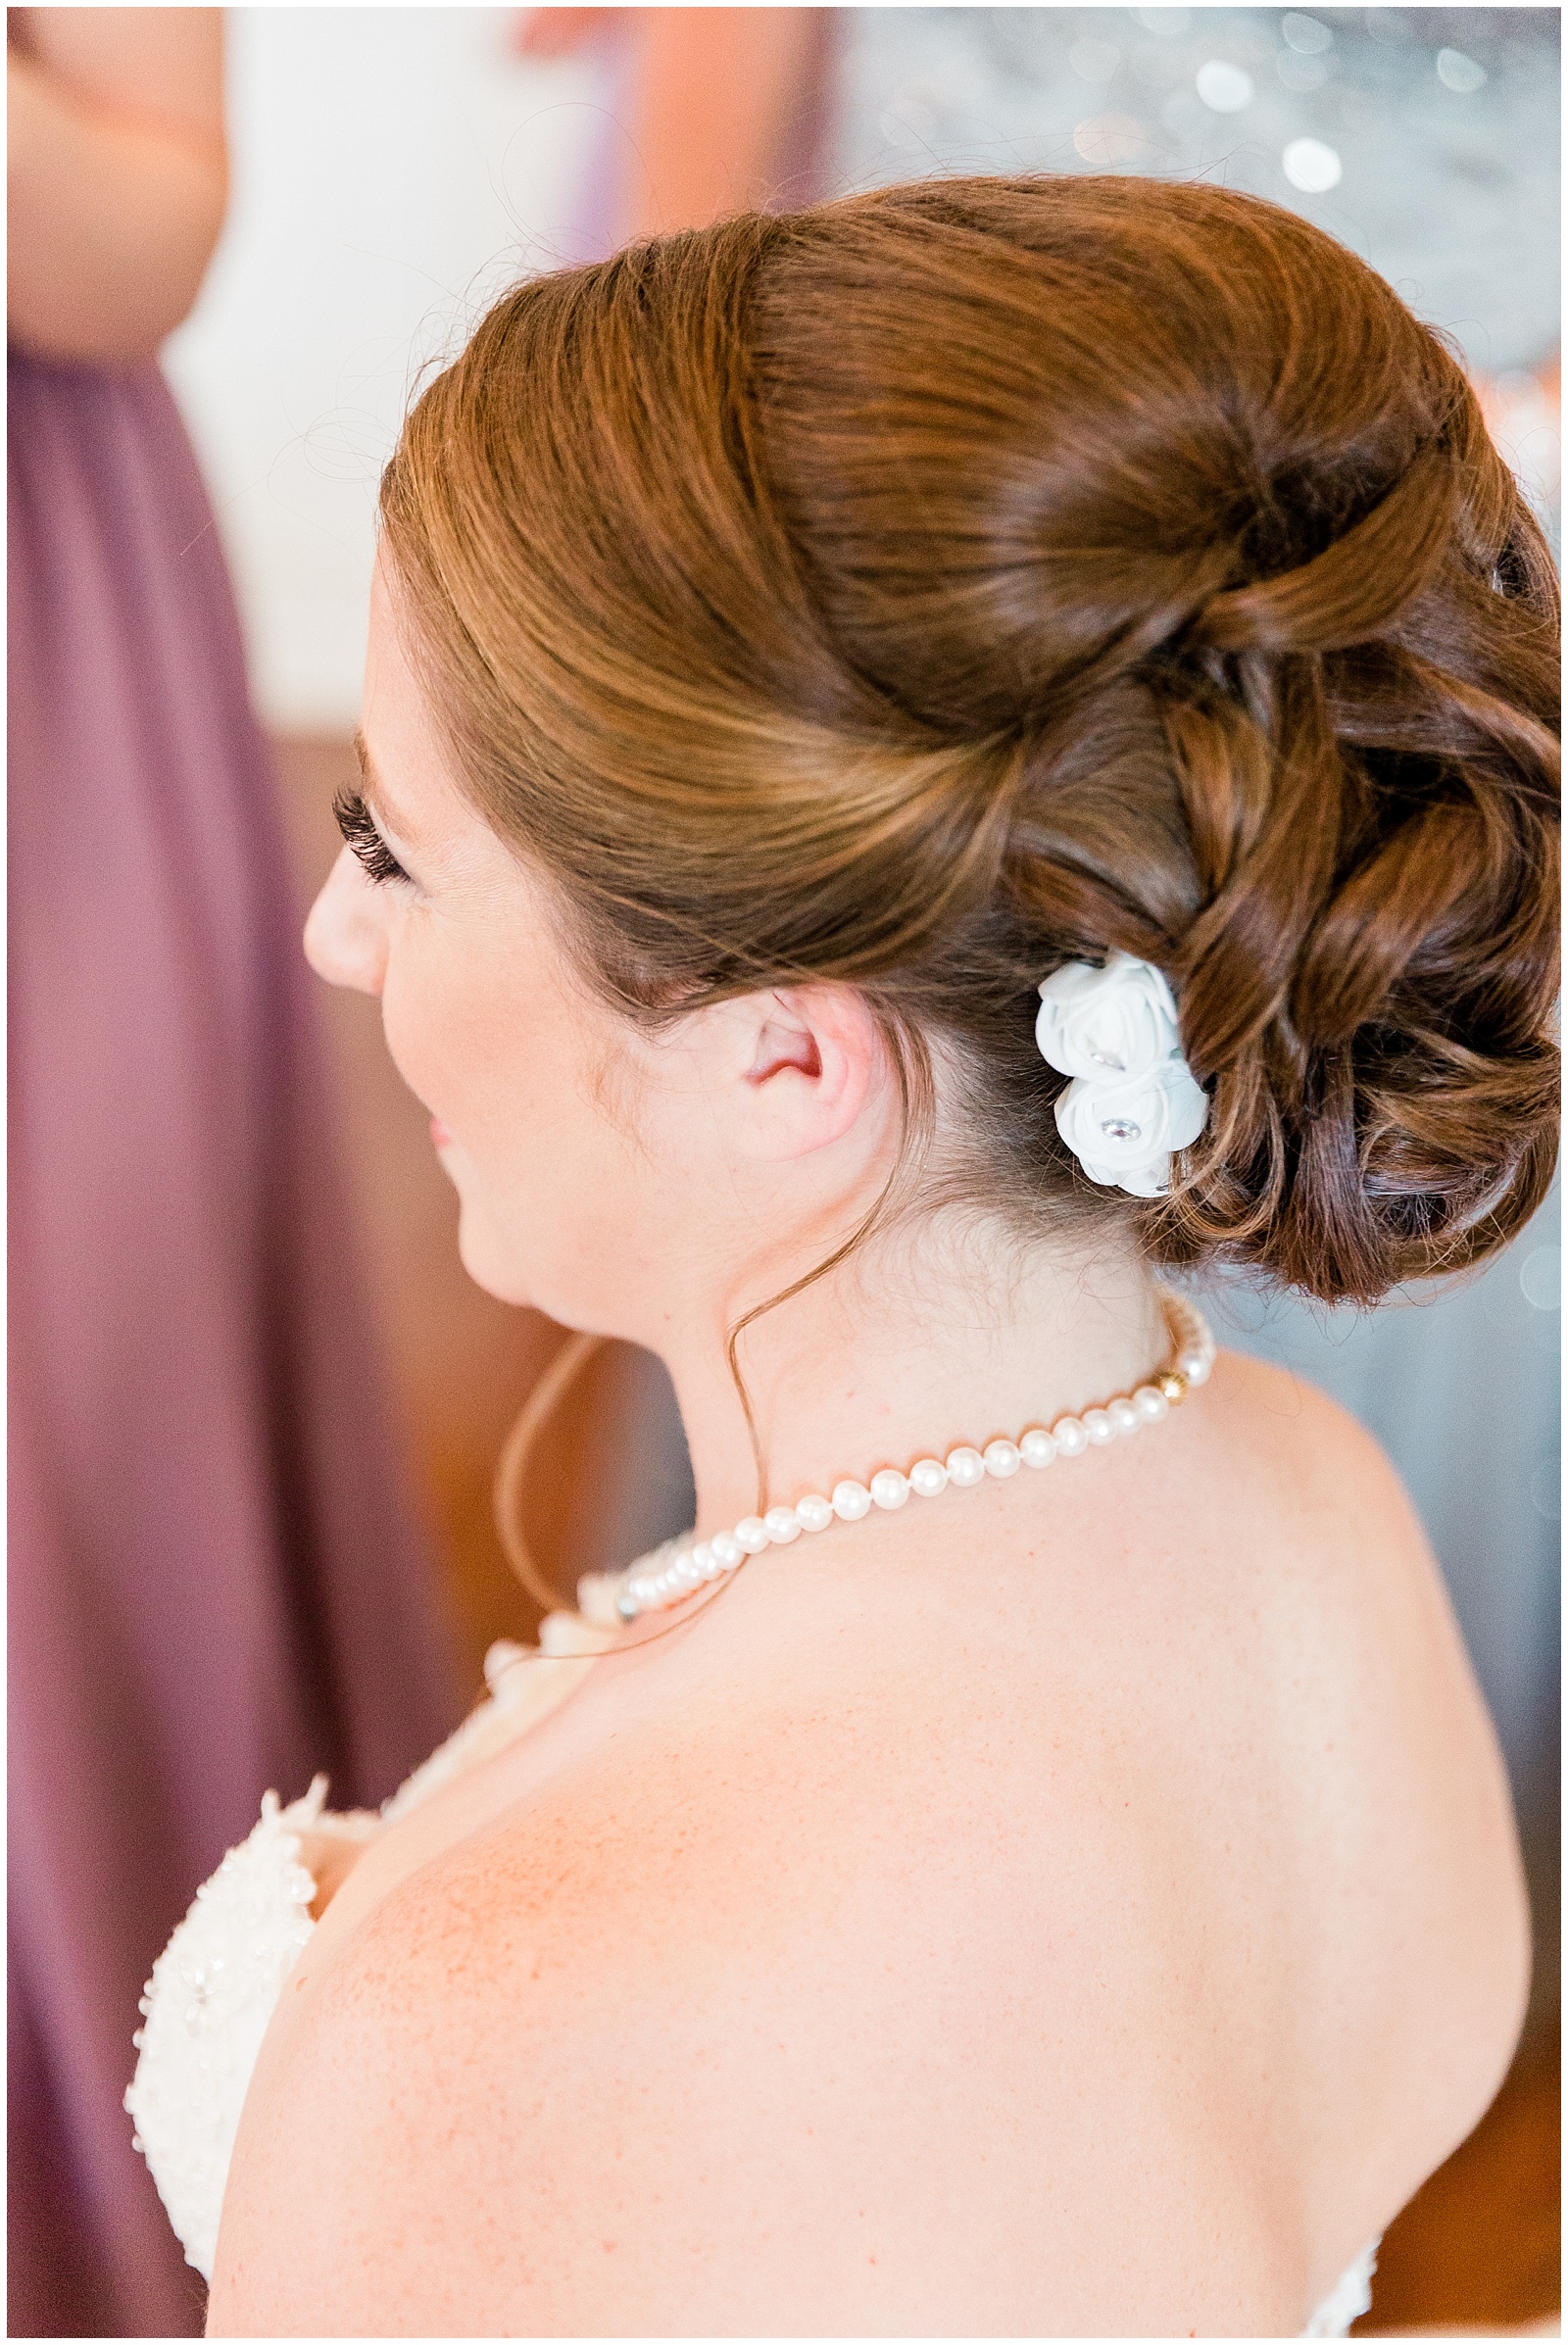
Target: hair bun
934,587
1357,587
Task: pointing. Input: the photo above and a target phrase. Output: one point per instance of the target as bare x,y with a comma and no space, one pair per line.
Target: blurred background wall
394,167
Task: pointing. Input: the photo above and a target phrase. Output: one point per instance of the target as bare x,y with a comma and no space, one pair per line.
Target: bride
928,764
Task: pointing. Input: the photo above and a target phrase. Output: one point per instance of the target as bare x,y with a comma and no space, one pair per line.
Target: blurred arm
116,174
712,97
714,94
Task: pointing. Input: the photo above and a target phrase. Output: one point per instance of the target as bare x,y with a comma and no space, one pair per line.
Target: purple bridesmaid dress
215,1582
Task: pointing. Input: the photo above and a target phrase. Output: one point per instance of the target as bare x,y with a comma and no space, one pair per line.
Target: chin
527,1277
489,1262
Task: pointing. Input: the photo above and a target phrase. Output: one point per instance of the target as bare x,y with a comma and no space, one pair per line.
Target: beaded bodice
217,1981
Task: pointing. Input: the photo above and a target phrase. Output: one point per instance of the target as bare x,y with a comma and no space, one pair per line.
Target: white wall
393,168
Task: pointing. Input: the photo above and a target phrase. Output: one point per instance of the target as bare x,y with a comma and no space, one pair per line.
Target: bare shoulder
1309,1483
608,2066
759,2016
557,2085
721,2035
1312,1497
1287,1428
1397,1743
416,2144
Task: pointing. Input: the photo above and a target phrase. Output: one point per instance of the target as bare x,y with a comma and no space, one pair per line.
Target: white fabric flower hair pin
1132,1099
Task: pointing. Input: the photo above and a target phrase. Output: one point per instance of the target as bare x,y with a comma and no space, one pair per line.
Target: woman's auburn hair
930,588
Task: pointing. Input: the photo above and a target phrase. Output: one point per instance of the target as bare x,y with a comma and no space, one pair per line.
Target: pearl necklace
666,1575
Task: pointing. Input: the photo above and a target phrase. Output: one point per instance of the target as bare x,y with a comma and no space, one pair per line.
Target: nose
344,935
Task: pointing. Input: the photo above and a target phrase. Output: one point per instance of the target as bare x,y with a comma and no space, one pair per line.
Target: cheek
422,1021
533,1154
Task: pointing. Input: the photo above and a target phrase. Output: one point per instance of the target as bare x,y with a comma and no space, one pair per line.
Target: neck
907,1349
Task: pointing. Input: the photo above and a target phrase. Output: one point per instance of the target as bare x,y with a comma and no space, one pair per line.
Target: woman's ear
813,1056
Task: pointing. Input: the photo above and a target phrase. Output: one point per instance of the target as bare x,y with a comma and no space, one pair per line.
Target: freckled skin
1087,1905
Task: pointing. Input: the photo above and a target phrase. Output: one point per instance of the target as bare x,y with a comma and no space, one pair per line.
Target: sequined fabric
1348,2300
216,1983
212,1993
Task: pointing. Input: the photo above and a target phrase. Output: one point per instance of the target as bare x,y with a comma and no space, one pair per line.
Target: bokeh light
1312,165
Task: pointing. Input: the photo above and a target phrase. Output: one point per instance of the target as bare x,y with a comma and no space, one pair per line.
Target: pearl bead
813,1512
889,1489
1099,1426
851,1500
781,1523
928,1478
626,1604
1195,1366
1070,1437
751,1534
1036,1448
728,1547
1124,1415
1001,1458
707,1561
965,1467
1149,1405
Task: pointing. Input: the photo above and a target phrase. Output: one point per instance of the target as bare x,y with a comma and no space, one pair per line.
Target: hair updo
931,588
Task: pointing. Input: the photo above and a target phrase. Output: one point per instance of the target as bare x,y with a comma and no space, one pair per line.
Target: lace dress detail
1349,2298
217,1981
212,1993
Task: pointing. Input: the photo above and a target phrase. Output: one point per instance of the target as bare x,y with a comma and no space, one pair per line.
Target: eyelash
361,835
